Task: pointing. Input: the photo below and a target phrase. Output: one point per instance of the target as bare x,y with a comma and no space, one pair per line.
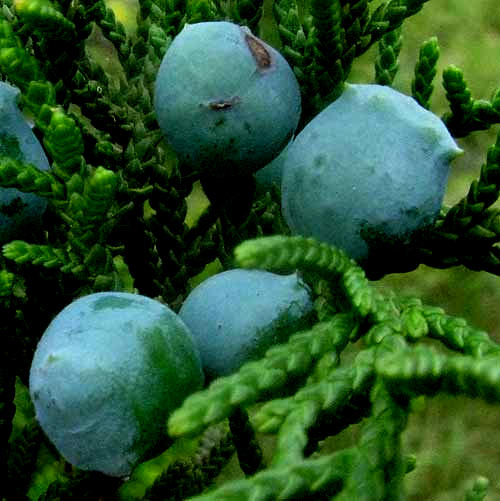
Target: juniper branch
62,140
16,64
317,410
328,48
457,334
28,178
44,18
286,254
425,71
45,255
467,114
387,62
295,481
423,371
378,473
275,372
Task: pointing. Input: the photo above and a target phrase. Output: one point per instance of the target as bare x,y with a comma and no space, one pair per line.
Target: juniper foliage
117,221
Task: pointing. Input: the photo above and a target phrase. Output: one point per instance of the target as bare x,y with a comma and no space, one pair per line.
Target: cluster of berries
373,165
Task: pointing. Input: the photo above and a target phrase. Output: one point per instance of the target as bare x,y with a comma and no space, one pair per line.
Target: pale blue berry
225,100
107,373
235,316
370,170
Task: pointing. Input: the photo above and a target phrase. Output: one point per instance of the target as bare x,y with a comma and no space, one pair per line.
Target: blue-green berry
105,376
19,212
225,100
237,315
367,172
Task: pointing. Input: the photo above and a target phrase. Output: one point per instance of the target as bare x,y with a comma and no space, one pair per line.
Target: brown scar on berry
223,104
259,52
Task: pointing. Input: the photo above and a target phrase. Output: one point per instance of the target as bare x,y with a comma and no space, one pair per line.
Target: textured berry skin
19,212
367,172
225,100
106,374
235,316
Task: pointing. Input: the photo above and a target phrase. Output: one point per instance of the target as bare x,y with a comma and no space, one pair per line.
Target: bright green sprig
457,93
457,334
28,178
467,232
414,323
310,476
286,254
19,67
425,71
327,406
318,395
297,47
387,60
6,283
423,371
99,193
407,319
62,140
43,17
45,255
379,471
38,94
419,320
280,366
328,36
292,34
87,215
384,329
293,434
365,300
467,115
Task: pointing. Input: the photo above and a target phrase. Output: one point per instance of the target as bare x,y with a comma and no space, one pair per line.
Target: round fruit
19,212
225,99
106,374
235,316
368,172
